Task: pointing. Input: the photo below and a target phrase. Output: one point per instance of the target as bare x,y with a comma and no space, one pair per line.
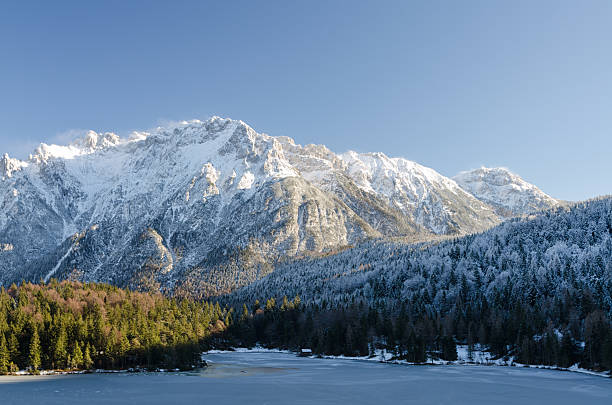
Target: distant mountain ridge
213,205
509,194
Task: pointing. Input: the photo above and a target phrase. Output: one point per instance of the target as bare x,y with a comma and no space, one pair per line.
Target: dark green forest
519,330
75,326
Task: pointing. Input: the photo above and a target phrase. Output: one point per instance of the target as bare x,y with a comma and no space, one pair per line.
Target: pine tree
607,352
285,304
87,360
34,356
13,348
4,355
245,313
124,348
77,356
449,348
567,351
60,353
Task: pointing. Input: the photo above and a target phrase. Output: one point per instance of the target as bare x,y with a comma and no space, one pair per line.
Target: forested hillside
539,289
74,326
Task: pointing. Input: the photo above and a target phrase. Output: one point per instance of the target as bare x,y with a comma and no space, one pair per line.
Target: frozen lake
277,378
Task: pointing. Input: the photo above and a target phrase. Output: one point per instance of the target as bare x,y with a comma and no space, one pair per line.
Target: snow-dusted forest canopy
549,257
538,288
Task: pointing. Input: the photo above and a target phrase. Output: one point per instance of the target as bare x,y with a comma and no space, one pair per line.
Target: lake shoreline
25,373
279,377
382,357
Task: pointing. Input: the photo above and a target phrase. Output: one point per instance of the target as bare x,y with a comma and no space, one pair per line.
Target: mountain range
210,206
543,258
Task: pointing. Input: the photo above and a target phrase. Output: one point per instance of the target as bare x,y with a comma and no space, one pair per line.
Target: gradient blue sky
450,84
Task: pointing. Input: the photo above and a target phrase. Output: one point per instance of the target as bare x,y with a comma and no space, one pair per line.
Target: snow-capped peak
87,144
182,194
377,172
10,165
421,194
508,192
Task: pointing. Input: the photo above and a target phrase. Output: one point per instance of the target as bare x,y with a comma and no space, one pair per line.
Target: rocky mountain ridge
209,206
509,194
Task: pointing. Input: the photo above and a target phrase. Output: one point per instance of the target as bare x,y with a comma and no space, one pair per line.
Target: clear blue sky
450,84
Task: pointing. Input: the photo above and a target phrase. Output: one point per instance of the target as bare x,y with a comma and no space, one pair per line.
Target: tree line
75,326
538,289
409,334
79,326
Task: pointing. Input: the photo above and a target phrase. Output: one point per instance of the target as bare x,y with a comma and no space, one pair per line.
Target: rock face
509,194
208,206
404,195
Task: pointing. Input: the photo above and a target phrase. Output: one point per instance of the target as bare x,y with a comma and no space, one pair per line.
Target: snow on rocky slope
392,187
508,193
209,206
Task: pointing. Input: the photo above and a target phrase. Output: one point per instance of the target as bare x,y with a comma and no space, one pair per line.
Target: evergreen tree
77,356
34,350
60,352
567,351
245,313
448,348
13,348
87,360
4,355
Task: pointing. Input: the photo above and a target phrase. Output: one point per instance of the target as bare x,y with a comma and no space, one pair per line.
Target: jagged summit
9,165
506,191
210,205
90,143
432,200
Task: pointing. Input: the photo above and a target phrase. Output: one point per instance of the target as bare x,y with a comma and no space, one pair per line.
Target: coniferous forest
358,330
537,290
72,326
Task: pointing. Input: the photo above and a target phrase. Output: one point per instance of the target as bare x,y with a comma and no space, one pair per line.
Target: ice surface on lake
281,378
